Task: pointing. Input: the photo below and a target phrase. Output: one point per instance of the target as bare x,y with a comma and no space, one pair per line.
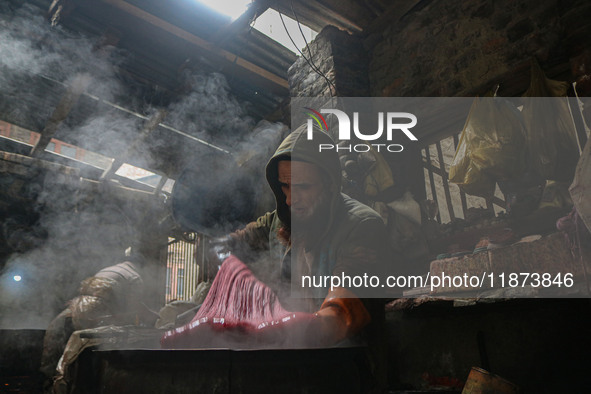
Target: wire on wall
308,60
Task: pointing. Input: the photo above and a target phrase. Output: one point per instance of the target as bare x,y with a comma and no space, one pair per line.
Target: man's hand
217,250
342,315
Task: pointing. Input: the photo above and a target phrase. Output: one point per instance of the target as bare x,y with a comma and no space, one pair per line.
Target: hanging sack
490,147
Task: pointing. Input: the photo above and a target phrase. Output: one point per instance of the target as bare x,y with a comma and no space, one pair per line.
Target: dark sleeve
254,236
364,250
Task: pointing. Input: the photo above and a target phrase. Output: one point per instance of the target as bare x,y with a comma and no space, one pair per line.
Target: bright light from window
231,8
270,24
144,176
17,278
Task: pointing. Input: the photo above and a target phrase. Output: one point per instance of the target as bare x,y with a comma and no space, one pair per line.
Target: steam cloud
75,235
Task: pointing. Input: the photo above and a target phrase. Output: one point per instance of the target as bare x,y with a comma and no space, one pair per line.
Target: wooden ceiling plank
199,42
323,9
316,15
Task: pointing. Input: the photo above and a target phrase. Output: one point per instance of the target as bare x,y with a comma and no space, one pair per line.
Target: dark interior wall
445,48
442,48
453,48
540,345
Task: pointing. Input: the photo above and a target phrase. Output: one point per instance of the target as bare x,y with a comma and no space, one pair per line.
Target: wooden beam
24,164
198,42
256,9
150,125
318,11
61,111
122,193
59,9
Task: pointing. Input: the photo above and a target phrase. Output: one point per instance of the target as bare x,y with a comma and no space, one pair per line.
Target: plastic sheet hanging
550,133
490,148
580,190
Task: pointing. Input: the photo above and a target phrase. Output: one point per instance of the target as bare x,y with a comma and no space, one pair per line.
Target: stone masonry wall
342,59
464,48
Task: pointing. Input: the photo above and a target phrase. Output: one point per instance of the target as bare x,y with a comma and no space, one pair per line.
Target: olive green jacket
352,240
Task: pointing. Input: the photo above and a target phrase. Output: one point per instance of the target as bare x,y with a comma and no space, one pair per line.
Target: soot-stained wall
465,48
443,48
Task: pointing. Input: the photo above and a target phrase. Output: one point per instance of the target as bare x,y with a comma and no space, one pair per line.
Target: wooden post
462,194
444,178
161,184
242,23
432,181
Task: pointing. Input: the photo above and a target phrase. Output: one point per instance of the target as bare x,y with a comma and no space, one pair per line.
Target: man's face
304,189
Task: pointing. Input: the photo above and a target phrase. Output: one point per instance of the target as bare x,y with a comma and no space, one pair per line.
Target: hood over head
296,146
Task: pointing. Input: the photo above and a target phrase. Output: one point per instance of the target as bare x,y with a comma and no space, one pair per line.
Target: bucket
483,382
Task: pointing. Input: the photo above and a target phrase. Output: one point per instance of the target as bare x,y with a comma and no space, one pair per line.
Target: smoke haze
76,232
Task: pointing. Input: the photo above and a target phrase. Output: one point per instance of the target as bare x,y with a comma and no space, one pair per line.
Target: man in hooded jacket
316,230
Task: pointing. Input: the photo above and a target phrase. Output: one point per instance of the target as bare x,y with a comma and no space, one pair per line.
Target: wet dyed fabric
241,311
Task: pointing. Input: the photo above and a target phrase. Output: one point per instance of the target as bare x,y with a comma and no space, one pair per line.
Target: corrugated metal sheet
157,44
